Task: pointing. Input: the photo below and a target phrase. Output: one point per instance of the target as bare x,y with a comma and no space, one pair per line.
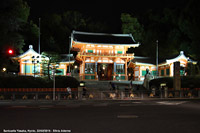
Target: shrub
186,82
38,82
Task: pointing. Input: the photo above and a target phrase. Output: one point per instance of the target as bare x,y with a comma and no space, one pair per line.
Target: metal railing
101,95
104,54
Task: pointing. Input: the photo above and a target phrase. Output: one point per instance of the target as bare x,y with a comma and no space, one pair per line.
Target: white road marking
72,106
100,105
2,102
137,102
18,107
171,102
46,106
25,102
127,105
127,116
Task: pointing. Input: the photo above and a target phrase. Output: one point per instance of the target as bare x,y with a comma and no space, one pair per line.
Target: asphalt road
103,117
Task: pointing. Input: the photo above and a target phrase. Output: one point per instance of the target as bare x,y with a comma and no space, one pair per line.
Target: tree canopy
177,29
14,26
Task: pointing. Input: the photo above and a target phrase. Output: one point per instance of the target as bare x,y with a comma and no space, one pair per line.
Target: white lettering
21,131
9,131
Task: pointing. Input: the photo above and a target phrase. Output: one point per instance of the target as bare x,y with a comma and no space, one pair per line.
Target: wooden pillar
177,77
126,78
96,67
83,73
171,72
80,71
114,68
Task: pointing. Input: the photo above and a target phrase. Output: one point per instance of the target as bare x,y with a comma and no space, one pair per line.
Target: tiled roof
103,38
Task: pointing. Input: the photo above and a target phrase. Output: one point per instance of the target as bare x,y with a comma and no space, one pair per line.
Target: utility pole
70,39
157,73
39,38
54,84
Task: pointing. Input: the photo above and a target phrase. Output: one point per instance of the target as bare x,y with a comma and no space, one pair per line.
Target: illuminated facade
31,63
165,67
102,56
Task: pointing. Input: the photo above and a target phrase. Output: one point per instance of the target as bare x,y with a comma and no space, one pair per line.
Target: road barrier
97,94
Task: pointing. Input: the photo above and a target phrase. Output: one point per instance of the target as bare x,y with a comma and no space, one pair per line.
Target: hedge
186,82
37,82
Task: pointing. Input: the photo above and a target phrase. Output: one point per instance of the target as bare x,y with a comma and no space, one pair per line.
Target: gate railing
100,95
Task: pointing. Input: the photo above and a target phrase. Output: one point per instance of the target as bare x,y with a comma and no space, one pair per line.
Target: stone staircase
97,85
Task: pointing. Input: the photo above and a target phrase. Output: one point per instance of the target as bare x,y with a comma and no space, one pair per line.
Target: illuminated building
31,63
165,67
102,56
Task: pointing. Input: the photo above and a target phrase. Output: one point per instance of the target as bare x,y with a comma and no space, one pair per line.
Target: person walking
112,86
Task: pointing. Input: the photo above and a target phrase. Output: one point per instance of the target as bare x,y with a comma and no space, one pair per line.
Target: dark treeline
177,29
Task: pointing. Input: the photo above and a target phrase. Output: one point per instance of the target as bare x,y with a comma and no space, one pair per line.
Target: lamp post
35,61
157,74
54,84
4,69
54,81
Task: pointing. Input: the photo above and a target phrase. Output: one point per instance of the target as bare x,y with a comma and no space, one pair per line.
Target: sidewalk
83,102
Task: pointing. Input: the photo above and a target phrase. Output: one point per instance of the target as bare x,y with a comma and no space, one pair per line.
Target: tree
31,33
13,16
74,20
13,20
192,69
131,25
49,61
189,25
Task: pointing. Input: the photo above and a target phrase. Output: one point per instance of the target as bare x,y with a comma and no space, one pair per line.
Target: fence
100,95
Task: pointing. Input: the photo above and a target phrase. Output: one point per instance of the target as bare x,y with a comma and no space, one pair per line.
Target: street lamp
157,73
35,61
4,69
54,80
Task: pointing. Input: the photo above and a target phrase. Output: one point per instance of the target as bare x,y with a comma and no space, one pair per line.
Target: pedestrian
126,90
112,86
131,84
69,92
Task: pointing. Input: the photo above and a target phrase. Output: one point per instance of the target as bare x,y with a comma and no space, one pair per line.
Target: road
139,116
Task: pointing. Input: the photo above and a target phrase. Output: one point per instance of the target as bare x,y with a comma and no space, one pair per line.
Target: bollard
80,95
59,96
132,95
170,95
1,97
101,95
142,95
36,96
161,95
151,95
199,93
24,97
13,97
91,96
166,92
181,93
122,95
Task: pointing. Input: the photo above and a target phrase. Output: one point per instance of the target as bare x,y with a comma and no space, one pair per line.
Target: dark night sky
100,9
106,11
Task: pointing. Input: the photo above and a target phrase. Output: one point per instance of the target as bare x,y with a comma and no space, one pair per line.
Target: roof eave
104,34
134,45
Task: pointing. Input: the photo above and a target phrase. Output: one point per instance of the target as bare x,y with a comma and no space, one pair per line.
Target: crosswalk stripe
171,102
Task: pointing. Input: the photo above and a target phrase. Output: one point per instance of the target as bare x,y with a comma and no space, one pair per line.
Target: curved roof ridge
105,34
29,50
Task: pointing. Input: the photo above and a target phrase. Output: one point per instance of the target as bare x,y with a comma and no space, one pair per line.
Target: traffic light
10,51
